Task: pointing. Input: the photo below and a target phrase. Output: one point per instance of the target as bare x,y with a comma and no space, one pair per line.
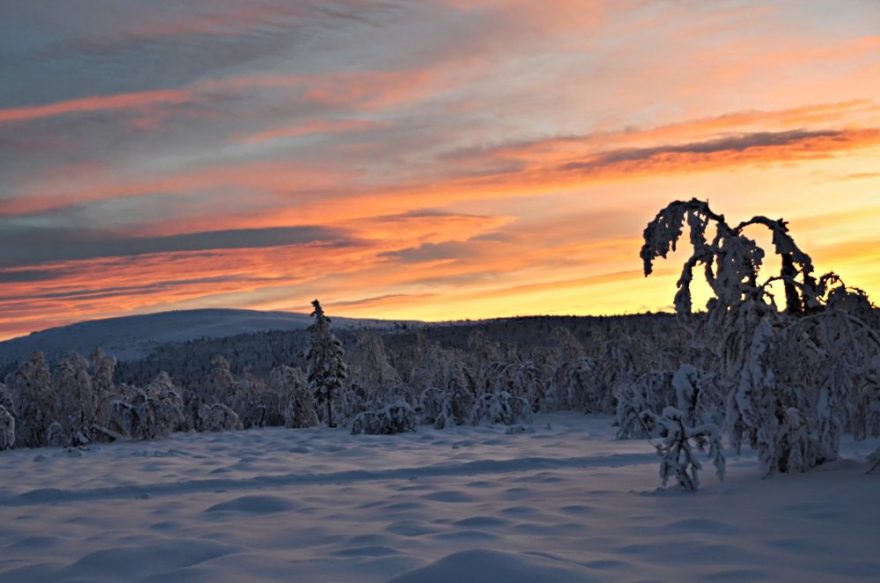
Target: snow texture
467,503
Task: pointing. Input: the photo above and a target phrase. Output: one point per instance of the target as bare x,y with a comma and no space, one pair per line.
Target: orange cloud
117,286
123,101
371,89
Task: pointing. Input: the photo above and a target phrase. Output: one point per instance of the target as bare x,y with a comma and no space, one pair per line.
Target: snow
132,337
564,503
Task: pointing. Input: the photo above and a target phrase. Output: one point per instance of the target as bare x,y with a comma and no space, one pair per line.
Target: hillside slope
132,337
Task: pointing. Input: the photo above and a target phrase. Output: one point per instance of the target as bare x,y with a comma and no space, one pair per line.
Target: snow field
566,503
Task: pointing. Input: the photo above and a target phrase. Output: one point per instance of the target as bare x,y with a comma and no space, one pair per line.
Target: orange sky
433,160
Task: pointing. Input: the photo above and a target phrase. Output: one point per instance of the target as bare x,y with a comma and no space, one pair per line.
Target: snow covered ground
566,503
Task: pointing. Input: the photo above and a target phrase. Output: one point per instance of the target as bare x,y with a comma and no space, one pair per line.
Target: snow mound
150,559
489,566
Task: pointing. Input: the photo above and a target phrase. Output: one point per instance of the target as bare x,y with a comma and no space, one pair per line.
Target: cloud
377,301
367,89
34,245
769,142
321,127
860,175
28,275
133,47
124,101
147,289
428,252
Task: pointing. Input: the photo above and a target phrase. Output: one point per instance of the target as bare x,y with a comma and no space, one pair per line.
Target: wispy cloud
33,245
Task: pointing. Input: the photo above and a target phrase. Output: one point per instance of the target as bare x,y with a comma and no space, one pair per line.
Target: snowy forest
786,376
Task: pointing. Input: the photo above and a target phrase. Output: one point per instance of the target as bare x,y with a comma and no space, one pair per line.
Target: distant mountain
132,337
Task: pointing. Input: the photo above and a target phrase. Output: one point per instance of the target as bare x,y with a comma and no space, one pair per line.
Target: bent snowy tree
793,379
731,260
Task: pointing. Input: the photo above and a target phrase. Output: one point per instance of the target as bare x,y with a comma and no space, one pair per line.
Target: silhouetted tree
792,379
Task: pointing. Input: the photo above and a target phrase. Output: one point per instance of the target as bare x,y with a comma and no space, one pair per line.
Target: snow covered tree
167,403
676,450
253,403
449,397
57,436
638,401
327,369
299,404
698,395
731,260
145,413
866,421
217,417
223,384
616,368
7,429
395,417
790,378
501,407
371,367
7,421
102,370
569,374
34,405
5,398
75,392
582,389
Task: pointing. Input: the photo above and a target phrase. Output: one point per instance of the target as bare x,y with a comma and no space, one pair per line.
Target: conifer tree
327,369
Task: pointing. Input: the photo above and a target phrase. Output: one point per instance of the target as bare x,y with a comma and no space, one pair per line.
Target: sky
432,160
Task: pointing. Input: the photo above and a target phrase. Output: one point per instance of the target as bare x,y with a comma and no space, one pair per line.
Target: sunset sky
417,159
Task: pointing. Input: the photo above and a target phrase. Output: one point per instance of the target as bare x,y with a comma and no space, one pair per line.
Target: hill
132,337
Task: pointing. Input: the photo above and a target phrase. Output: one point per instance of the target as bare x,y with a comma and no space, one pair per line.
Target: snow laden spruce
327,370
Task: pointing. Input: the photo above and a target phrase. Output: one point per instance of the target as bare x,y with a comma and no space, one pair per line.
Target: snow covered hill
132,337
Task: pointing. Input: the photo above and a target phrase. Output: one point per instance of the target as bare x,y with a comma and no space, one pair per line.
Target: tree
5,398
501,407
791,378
371,366
7,429
103,368
289,384
75,392
731,260
676,453
34,405
327,369
395,417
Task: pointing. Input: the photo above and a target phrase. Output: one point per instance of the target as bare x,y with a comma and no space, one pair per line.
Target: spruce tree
327,369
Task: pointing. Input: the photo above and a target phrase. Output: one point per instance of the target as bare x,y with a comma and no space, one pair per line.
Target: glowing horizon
439,160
